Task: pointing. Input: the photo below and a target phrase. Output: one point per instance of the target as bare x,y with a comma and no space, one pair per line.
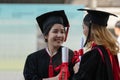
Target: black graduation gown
37,64
92,66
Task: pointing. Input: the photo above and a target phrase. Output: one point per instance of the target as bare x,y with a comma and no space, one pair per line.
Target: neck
52,49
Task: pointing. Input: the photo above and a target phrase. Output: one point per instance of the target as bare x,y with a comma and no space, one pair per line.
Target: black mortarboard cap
97,17
46,21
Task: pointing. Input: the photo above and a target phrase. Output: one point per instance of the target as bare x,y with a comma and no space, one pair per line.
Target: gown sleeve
30,69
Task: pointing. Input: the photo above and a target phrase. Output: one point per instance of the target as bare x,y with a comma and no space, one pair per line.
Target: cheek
85,32
116,30
64,36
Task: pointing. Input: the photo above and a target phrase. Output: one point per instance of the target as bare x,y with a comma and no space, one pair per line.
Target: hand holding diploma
79,53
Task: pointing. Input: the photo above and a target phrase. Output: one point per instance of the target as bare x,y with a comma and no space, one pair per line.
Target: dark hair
117,24
47,31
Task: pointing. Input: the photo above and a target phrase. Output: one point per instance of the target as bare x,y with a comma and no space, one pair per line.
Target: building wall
32,1
100,3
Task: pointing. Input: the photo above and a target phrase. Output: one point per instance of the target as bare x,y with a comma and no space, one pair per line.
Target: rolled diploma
64,54
81,43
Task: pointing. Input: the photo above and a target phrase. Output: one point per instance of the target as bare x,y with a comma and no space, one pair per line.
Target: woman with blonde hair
102,36
100,62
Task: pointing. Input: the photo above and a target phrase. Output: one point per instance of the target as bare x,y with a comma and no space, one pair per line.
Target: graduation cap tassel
51,74
89,32
66,33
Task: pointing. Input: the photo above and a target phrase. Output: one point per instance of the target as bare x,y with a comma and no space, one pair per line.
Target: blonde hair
102,36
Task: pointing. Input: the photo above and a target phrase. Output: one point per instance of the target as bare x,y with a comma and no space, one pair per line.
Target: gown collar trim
49,52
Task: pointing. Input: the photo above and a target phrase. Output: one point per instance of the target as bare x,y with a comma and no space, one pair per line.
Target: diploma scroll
82,43
81,47
64,54
64,66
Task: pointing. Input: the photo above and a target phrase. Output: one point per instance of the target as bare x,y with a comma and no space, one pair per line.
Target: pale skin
55,37
117,31
85,29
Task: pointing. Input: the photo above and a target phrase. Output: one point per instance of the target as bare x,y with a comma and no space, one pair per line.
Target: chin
58,45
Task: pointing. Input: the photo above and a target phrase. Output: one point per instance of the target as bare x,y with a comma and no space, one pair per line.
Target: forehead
57,26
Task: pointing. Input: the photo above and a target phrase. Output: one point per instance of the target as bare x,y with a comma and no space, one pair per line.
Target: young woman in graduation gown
46,63
100,61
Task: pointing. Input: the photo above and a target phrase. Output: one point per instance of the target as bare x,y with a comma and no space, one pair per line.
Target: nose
60,34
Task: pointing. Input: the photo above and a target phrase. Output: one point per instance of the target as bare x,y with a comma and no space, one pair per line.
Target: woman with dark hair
46,63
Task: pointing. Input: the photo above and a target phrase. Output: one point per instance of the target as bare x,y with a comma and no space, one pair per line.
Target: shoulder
70,51
95,50
36,54
93,53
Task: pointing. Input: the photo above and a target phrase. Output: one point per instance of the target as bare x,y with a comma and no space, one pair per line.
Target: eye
62,31
55,31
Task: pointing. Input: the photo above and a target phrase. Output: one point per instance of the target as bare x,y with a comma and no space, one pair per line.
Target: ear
46,37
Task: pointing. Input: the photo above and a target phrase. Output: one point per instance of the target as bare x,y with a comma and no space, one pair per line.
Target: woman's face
56,35
85,29
117,31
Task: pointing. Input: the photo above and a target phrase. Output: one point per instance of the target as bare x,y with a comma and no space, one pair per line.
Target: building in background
87,3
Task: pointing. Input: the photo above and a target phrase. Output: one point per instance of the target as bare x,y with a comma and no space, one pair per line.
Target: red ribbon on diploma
77,54
64,72
80,52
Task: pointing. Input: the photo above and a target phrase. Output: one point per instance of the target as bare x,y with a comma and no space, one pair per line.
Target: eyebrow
57,29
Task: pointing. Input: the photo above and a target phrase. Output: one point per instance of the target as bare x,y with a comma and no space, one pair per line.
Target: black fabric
97,17
92,66
47,25
36,65
50,18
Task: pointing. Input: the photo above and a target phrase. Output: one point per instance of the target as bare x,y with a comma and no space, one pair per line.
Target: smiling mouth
58,40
